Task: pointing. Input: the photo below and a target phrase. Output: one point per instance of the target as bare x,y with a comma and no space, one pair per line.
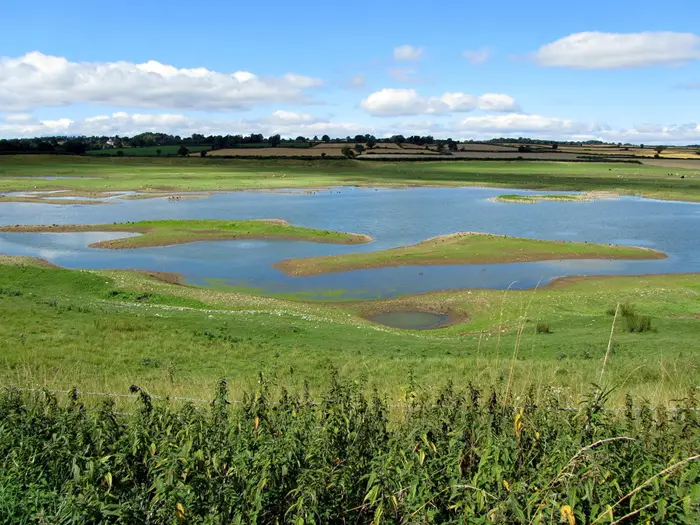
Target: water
394,217
411,320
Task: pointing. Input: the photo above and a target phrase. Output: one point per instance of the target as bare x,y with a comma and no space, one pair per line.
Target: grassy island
168,232
465,248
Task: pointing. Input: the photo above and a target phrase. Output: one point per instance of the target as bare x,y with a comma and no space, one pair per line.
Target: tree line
78,145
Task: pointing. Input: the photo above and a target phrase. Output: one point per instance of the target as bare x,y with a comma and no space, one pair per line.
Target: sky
617,71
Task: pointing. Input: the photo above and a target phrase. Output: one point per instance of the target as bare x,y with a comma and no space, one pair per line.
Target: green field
465,248
103,331
169,232
193,173
146,151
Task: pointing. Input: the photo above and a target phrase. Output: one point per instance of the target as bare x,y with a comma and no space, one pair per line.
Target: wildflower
567,515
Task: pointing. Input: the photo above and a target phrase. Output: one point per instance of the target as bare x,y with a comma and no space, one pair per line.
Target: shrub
543,327
638,323
632,321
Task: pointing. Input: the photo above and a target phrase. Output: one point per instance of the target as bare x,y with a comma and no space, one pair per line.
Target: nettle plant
463,456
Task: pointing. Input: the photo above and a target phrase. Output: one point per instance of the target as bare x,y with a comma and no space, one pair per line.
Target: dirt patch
166,277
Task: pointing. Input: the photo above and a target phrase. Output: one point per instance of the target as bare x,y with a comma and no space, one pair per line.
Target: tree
555,145
371,142
120,153
326,139
274,141
347,152
158,152
659,149
641,146
183,151
203,153
359,148
77,147
315,138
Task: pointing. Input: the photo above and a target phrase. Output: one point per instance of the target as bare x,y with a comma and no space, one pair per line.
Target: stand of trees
79,145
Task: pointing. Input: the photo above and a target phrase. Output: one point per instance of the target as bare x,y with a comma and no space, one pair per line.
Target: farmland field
148,151
19,173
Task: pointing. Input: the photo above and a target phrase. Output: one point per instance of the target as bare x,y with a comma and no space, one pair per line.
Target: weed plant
463,457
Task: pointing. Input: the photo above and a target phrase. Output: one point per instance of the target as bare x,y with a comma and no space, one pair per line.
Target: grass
104,331
462,456
545,197
146,151
465,248
191,174
168,232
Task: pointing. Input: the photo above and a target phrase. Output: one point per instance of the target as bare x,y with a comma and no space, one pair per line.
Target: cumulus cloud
395,102
477,56
37,80
408,53
596,50
519,123
292,124
286,123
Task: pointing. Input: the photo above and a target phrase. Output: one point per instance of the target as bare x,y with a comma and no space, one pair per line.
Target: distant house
109,143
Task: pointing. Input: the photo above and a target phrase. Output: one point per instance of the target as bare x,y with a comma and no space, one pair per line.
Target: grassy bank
463,456
534,199
190,174
168,232
104,331
465,248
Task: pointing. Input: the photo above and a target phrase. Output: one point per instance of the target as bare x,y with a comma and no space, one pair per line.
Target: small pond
410,320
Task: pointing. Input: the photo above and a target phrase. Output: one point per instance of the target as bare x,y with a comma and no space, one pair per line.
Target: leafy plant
457,457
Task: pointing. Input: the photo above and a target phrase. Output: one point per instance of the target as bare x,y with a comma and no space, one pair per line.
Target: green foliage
543,327
633,322
347,152
461,457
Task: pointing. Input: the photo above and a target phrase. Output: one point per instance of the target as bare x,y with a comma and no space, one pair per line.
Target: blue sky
619,71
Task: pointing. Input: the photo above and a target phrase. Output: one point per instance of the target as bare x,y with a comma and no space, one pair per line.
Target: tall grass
461,457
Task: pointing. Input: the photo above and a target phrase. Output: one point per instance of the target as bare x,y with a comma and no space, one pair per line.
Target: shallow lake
394,217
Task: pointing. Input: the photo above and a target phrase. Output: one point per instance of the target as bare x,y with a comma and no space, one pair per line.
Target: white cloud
596,50
290,124
286,123
477,56
290,117
408,53
37,80
520,123
358,81
403,74
394,102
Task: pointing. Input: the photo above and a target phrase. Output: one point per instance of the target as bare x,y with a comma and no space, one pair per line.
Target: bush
543,327
632,321
638,323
